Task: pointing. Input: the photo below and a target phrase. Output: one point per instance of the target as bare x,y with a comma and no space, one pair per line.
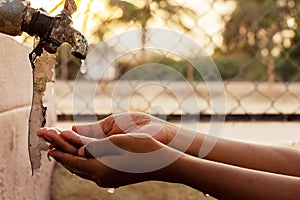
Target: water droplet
206,195
110,190
83,68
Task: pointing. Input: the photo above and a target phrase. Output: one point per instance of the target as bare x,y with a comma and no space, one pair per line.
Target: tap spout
17,16
64,32
79,45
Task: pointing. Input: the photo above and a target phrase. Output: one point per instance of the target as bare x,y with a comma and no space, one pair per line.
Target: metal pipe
17,16
12,14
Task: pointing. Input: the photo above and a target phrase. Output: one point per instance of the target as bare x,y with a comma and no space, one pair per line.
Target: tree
142,15
263,29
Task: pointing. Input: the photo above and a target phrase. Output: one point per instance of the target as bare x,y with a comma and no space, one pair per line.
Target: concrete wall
16,181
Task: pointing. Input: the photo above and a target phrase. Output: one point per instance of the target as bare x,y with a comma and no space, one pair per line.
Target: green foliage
252,28
288,66
163,64
254,23
240,66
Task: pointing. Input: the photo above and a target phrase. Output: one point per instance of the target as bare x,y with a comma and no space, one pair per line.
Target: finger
106,127
92,130
52,136
75,139
75,163
51,146
99,148
41,133
120,144
126,122
80,174
43,130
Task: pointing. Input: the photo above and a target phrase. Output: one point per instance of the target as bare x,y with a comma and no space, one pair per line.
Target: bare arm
281,160
217,179
229,182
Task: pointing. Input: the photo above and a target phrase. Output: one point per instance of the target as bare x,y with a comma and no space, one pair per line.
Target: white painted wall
16,181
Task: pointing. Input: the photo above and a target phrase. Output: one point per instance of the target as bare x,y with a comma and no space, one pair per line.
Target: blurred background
254,44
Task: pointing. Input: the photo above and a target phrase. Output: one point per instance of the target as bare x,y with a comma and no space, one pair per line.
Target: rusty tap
54,31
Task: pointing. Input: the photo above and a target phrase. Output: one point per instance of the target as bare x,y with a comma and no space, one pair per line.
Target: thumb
92,130
120,144
99,148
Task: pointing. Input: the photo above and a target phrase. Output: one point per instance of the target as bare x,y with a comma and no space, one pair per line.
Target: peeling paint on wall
16,181
42,73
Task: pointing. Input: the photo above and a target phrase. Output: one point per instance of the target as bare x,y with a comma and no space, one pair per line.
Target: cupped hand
129,123
113,161
66,140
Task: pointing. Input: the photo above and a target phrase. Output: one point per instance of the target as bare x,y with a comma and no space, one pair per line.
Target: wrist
173,173
185,140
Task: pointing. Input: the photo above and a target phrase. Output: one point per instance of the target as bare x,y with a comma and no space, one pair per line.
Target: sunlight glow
206,29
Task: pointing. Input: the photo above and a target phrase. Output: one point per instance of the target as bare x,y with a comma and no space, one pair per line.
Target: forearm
229,182
260,157
273,159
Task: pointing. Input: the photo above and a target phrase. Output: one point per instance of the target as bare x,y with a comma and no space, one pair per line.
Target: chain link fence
255,46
